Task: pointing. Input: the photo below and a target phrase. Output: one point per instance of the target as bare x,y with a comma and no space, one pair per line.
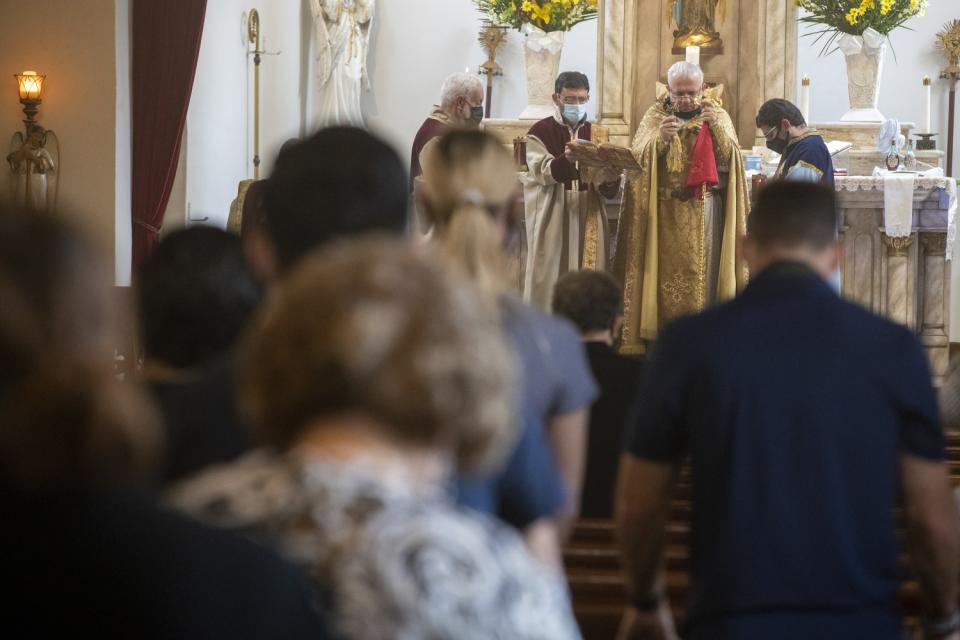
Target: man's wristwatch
647,603
941,627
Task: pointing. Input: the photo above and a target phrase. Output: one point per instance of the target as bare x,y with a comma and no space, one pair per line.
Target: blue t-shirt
555,380
794,407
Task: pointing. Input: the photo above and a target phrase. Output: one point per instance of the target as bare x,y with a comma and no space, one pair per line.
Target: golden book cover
603,156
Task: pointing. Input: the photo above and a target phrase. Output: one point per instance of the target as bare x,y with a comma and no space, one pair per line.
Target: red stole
703,165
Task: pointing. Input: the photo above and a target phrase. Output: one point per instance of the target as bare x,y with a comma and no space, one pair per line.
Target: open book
836,147
604,156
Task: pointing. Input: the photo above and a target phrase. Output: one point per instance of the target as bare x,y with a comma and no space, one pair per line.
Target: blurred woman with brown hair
84,548
470,194
373,373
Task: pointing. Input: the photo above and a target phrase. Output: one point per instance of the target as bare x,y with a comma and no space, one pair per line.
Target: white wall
900,89
219,137
417,43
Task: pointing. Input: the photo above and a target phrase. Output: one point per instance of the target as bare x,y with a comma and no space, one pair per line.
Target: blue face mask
835,281
574,113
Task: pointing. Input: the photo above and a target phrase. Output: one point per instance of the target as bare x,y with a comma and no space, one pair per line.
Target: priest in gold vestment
676,250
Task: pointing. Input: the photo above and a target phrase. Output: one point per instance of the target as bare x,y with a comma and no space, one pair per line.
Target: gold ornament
948,41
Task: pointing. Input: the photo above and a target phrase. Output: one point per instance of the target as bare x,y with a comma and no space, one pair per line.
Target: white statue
342,39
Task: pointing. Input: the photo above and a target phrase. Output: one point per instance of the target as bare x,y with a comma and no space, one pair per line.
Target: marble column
934,305
898,280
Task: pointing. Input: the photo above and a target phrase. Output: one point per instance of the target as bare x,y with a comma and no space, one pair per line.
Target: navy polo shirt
794,407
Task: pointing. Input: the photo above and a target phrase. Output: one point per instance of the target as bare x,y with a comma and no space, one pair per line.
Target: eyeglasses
689,95
773,131
575,100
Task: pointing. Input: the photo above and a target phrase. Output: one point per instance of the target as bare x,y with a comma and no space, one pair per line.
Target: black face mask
684,115
476,114
777,145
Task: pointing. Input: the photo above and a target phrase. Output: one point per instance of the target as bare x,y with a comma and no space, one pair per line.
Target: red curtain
165,38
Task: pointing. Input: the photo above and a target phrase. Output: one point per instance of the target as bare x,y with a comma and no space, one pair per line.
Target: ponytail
471,240
469,184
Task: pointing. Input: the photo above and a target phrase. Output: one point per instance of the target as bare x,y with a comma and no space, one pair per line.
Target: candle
693,55
926,104
805,98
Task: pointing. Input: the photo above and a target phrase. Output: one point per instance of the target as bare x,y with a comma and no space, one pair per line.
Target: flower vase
864,55
542,56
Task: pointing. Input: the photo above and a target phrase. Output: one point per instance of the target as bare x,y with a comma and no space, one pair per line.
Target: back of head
469,191
65,423
775,111
340,182
592,300
377,328
791,215
194,296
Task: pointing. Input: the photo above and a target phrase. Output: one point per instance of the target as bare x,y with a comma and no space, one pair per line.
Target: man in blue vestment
804,155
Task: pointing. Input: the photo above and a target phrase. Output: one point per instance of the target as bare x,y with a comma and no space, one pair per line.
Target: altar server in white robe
565,222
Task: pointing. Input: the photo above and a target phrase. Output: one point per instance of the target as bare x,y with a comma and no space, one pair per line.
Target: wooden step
607,558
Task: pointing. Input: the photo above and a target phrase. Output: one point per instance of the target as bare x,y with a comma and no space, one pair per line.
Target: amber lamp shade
30,85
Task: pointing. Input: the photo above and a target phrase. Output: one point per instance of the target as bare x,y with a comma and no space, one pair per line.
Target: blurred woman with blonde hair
470,194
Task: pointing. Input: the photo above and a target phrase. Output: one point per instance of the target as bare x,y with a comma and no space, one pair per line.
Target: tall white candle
926,104
693,54
805,98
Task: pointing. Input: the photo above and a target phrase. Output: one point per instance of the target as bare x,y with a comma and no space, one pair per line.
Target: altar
907,278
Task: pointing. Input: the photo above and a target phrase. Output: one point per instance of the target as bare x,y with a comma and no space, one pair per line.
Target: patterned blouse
398,561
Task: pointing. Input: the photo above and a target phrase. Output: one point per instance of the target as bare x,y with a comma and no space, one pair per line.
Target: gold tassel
675,156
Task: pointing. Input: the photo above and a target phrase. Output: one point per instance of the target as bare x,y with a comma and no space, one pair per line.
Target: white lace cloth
898,204
926,181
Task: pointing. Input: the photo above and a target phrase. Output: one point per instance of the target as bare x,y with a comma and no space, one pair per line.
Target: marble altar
906,279
864,156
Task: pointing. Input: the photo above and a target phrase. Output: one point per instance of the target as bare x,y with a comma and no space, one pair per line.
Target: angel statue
342,33
33,161
696,23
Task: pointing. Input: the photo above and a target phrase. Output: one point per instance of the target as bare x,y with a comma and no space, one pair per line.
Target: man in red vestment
461,105
566,225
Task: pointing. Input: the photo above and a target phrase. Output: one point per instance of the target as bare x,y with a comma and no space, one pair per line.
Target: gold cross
678,288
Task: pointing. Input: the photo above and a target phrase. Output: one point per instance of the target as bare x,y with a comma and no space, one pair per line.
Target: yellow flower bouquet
546,15
837,17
